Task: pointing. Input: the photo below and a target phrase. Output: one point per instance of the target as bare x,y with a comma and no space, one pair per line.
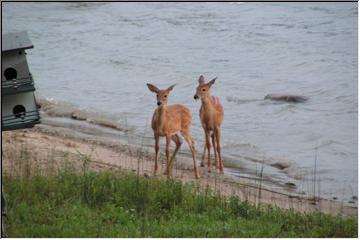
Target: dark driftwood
286,97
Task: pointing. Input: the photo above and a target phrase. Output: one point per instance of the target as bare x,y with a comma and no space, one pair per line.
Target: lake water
99,56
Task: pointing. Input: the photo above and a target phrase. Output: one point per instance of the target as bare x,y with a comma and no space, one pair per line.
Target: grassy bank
122,204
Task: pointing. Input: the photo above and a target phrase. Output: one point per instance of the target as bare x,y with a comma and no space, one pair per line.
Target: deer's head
161,95
203,90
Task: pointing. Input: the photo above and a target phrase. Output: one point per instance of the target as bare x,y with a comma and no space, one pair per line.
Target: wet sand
45,144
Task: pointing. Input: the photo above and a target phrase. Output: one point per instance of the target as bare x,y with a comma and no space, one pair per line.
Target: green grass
119,204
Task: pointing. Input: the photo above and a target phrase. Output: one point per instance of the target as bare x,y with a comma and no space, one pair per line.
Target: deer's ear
201,79
170,88
212,82
152,88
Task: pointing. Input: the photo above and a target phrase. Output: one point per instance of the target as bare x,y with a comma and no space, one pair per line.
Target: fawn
169,121
211,116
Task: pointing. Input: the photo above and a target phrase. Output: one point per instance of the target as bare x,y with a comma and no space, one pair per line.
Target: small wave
237,3
83,5
326,143
68,110
321,9
220,60
282,25
173,22
326,23
300,64
117,62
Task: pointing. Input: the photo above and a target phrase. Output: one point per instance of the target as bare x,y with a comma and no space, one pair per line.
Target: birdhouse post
18,105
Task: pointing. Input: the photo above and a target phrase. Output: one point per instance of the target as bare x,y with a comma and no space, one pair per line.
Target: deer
170,121
211,117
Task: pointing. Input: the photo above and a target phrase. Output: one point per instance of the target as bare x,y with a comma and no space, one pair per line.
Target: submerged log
286,97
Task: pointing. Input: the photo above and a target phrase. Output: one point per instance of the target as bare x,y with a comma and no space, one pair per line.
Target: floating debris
280,165
286,97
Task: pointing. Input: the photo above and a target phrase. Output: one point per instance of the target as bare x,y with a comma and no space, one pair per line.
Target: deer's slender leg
207,138
215,153
203,157
190,142
176,138
157,147
168,141
218,148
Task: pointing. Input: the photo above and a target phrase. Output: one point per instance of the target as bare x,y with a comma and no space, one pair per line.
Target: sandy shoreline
44,141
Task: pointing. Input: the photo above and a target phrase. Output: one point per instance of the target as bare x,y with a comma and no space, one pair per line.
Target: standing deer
169,121
211,116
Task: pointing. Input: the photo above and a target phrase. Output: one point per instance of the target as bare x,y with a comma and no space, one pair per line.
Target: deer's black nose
158,103
196,97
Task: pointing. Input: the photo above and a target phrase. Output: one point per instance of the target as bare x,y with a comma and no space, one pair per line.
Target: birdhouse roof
15,41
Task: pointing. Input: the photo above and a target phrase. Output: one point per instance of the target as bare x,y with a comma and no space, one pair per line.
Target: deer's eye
157,95
203,89
165,96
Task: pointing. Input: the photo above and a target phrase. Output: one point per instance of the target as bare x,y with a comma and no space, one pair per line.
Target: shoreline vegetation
63,187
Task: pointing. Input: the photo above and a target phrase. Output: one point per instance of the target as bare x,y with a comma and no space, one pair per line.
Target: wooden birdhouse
19,109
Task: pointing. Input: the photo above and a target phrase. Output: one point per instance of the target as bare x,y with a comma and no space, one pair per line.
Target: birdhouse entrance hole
10,73
19,111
